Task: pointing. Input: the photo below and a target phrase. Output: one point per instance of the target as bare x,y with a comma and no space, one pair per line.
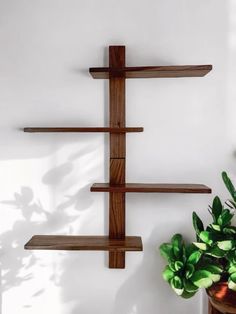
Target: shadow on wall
17,263
13,258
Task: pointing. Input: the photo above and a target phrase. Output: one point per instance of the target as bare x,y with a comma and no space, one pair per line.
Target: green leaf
189,286
166,251
204,283
229,185
172,266
215,227
190,248
216,208
232,269
216,252
197,224
232,282
215,277
178,265
225,218
194,257
177,285
229,230
178,282
187,295
233,277
215,272
202,279
167,274
226,245
232,285
213,269
189,270
184,253
201,246
231,256
206,237
177,244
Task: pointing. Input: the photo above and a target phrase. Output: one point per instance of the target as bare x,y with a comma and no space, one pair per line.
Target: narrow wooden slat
150,188
91,243
117,153
151,71
82,129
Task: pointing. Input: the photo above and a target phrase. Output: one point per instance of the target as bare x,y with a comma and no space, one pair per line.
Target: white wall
46,48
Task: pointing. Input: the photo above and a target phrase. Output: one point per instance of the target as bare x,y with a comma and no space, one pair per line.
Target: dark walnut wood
117,153
151,71
117,170
84,243
84,130
150,188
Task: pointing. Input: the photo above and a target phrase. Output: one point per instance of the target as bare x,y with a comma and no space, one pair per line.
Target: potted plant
210,261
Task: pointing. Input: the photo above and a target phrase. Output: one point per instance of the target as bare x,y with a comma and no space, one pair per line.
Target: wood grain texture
117,105
151,71
117,216
81,129
117,170
117,153
91,243
117,227
150,188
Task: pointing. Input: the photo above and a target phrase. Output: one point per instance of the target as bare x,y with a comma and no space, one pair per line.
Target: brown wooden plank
151,71
150,188
91,243
117,153
82,129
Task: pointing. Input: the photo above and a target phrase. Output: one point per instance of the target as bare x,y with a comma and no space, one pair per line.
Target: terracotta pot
222,298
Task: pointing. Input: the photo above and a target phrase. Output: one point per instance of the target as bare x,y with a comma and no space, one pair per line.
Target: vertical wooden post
117,152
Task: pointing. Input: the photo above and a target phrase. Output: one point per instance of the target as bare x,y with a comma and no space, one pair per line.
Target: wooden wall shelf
151,188
116,242
81,129
151,71
84,243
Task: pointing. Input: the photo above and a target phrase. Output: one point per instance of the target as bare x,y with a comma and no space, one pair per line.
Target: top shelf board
150,188
152,71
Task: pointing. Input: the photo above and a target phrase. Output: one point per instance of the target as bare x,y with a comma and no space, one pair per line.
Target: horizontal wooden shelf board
86,243
81,129
151,188
152,71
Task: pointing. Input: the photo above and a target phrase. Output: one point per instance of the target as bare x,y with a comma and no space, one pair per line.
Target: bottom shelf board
87,243
151,188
